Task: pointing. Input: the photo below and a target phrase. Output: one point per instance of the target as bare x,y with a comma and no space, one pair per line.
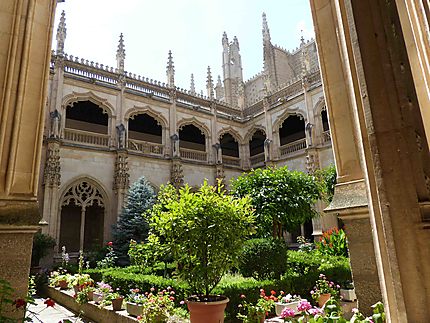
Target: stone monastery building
106,127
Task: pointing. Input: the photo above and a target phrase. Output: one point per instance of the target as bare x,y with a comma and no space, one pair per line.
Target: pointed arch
82,213
320,105
280,119
253,129
161,120
74,97
234,133
193,121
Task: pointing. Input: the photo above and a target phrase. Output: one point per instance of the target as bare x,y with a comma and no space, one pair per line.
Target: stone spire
219,91
209,84
61,34
120,55
266,31
170,71
192,86
236,42
224,39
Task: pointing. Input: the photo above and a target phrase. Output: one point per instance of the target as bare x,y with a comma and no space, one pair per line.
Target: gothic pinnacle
120,54
192,86
170,70
266,31
61,34
224,39
209,84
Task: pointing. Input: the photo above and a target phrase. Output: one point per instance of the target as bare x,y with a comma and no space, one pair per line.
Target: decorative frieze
121,179
52,171
176,175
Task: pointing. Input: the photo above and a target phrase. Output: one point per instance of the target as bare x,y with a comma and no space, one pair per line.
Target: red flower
110,244
171,298
272,292
19,302
49,302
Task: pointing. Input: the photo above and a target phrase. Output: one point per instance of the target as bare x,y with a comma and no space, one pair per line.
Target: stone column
25,40
121,180
172,145
385,89
350,200
51,185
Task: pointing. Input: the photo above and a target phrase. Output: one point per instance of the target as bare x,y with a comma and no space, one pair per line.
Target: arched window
191,137
145,128
292,129
82,217
87,116
324,120
256,144
229,145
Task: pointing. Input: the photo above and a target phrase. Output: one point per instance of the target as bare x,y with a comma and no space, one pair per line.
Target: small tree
282,199
132,224
204,231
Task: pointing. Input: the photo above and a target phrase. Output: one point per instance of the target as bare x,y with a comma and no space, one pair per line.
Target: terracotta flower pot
63,284
134,309
117,304
207,311
97,297
323,299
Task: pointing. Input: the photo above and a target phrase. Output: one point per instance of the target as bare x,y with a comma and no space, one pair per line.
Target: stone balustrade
192,154
257,160
86,138
292,147
145,147
230,161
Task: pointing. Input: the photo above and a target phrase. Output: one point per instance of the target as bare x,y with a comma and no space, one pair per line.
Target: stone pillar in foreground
25,40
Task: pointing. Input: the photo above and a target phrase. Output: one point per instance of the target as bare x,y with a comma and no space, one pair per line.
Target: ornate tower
232,69
270,75
209,84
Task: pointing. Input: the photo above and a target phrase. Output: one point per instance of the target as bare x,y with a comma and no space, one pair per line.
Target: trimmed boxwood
301,275
254,258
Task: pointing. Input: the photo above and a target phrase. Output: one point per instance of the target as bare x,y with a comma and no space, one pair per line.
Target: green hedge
303,271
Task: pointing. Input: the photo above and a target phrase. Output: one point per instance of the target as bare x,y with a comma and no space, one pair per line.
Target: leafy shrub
42,243
254,258
333,243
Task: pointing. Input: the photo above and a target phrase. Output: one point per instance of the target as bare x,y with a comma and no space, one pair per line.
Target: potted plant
114,298
256,313
205,232
60,279
79,281
101,291
347,292
158,306
324,290
134,302
286,301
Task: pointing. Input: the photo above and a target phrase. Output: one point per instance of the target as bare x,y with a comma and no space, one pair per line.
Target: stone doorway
82,217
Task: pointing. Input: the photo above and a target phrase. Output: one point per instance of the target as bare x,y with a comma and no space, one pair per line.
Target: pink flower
304,306
110,244
315,311
182,302
242,296
288,312
354,310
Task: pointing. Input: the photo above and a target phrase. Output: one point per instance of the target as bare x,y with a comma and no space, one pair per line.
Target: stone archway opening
192,143
87,116
256,147
82,217
229,149
145,128
292,130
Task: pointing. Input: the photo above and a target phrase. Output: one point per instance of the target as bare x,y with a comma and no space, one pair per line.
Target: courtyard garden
174,252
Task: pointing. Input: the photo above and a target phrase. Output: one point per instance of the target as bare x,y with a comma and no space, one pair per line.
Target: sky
191,29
